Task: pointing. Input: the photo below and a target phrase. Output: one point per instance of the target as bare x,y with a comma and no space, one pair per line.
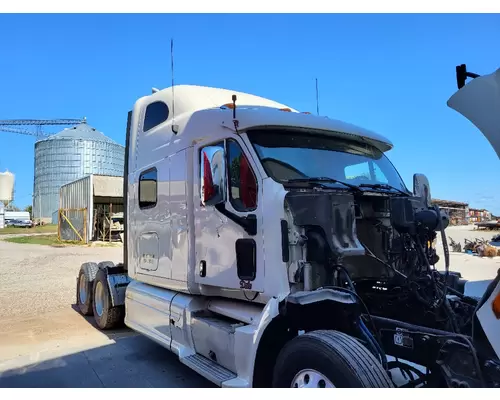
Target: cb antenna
174,127
317,97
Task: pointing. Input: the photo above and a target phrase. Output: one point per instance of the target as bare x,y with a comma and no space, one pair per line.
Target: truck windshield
288,155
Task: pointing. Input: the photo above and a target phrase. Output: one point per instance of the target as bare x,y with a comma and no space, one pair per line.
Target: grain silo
70,155
6,187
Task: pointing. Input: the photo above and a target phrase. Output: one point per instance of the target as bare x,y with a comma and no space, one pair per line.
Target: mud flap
117,284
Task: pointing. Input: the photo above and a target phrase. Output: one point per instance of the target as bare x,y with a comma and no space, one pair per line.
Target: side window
148,185
156,113
242,182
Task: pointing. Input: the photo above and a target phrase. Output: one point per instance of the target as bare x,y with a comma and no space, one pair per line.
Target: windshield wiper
383,186
321,179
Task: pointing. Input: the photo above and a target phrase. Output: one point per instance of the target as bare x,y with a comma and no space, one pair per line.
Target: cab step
209,369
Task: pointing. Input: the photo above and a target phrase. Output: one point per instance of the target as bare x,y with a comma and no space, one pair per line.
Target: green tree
30,210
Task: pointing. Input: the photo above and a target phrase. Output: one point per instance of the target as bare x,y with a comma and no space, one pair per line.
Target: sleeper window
156,113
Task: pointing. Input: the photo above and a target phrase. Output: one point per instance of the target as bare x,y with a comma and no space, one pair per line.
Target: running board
208,369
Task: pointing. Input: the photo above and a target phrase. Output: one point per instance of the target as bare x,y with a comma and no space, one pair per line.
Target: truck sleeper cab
230,236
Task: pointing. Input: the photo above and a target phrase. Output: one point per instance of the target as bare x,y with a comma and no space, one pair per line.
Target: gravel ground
38,279
37,296
46,342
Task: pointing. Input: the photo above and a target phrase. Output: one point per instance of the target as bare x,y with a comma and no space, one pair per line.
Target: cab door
152,222
228,217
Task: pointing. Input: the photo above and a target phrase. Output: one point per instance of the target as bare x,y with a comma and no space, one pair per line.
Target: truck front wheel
106,316
328,359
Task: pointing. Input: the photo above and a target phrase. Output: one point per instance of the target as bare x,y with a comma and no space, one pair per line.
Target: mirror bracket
248,223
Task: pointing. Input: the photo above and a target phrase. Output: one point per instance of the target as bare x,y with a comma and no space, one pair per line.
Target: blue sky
389,73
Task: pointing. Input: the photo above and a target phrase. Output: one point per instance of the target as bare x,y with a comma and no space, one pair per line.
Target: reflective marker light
496,306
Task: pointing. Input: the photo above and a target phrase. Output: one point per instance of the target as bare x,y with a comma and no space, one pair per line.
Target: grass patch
47,240
10,230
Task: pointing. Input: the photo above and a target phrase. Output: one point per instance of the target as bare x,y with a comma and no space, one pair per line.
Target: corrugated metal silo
70,155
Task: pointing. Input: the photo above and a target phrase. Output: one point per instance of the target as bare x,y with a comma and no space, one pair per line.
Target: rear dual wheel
106,316
93,297
85,288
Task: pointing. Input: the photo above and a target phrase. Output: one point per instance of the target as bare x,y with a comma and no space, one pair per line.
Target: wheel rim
99,298
310,378
83,289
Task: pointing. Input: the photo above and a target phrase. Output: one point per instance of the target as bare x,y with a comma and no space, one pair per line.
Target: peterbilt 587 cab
268,247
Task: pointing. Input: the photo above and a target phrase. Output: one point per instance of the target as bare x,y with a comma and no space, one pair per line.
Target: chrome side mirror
422,189
213,175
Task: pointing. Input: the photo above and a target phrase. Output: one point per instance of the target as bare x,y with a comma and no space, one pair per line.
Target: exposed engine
372,236
378,246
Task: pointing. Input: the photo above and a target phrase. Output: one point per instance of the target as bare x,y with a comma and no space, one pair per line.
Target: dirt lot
45,342
38,279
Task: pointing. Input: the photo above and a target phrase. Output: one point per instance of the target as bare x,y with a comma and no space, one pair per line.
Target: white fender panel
247,341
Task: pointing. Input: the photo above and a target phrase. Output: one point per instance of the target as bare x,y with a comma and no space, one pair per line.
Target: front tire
323,359
106,316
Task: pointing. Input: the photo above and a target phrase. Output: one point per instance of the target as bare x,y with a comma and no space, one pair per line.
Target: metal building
91,208
67,156
457,211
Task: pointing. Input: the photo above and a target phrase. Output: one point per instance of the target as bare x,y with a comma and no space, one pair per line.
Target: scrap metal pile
480,247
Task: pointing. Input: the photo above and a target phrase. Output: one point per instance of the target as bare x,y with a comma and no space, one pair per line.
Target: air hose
375,347
372,342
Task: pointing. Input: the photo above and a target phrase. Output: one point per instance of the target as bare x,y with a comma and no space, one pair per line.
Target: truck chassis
421,356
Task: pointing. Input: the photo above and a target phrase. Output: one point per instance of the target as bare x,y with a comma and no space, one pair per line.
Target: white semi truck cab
268,247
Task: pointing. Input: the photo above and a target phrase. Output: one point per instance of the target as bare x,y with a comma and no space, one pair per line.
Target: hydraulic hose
373,343
446,254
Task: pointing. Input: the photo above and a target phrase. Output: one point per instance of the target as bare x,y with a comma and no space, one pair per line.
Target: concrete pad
73,353
129,362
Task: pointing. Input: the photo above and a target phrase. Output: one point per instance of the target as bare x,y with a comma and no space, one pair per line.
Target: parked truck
268,247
